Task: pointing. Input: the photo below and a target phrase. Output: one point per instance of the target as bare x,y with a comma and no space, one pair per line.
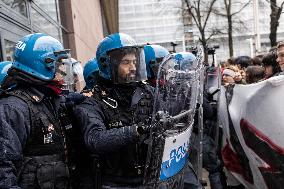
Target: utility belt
44,172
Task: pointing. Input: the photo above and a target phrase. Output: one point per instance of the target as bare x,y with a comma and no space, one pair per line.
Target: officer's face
127,67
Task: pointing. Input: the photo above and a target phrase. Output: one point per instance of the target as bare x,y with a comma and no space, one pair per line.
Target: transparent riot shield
176,95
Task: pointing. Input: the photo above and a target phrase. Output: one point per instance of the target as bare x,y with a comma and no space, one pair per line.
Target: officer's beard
130,76
127,78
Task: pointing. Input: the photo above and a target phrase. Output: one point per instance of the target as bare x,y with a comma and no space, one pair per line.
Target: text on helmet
21,45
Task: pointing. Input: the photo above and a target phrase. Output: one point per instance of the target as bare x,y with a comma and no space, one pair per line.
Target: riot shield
176,93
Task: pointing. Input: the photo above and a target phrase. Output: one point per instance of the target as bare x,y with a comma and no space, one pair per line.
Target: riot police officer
4,67
34,148
154,55
90,73
114,120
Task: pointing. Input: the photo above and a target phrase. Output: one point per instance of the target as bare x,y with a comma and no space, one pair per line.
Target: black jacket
111,132
16,144
14,131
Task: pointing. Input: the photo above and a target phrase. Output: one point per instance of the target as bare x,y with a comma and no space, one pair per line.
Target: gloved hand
143,129
75,98
162,118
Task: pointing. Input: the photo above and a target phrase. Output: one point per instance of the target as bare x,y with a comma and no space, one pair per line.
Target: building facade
80,25
153,21
243,30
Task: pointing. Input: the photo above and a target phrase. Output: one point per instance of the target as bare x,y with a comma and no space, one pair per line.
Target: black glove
75,98
143,129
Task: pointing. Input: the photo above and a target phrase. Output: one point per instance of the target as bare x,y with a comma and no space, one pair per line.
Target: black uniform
33,143
110,132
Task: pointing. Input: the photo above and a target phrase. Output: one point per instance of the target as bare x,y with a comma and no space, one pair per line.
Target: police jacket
33,150
108,121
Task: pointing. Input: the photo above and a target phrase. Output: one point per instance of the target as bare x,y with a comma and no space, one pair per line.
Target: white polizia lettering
21,45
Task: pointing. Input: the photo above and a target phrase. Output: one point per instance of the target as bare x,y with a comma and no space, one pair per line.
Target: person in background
243,62
254,74
271,67
280,55
228,76
256,61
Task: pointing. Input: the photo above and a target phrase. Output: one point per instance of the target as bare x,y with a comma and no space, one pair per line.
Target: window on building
9,48
44,24
50,7
19,6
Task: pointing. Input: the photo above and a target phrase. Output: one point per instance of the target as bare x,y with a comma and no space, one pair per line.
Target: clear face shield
127,65
154,65
79,82
177,85
63,70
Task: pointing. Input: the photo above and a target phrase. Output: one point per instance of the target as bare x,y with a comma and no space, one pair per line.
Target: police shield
176,94
252,121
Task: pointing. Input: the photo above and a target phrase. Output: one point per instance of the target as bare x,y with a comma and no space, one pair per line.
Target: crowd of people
247,70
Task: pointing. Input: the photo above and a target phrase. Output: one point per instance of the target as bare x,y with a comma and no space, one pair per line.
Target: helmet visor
63,72
154,65
127,65
79,82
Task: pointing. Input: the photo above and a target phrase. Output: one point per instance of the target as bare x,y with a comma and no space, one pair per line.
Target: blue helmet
111,54
154,55
38,55
185,60
4,67
90,72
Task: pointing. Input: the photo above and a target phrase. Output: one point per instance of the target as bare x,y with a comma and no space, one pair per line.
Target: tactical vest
122,115
127,165
44,164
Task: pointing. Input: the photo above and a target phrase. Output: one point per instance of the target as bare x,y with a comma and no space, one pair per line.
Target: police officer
4,67
114,120
91,73
154,55
34,148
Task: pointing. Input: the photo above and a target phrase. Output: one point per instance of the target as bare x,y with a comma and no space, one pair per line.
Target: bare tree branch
192,14
209,12
244,6
200,14
213,33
